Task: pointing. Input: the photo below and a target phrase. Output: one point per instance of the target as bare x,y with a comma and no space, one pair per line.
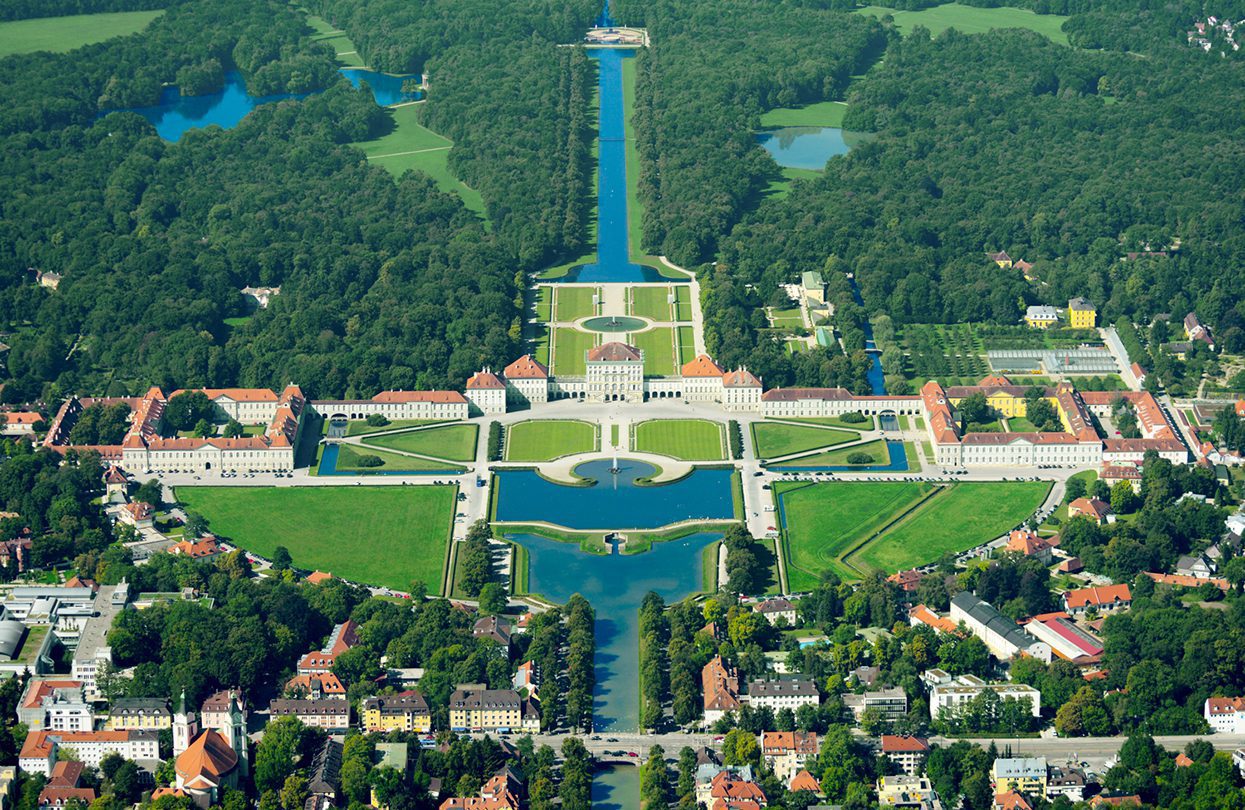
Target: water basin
615,323
806,147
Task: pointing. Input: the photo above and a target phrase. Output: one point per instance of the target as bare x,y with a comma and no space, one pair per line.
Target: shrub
377,419
735,439
854,417
370,461
860,458
494,441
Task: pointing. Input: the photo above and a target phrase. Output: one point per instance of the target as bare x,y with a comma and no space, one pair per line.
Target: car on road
632,754
611,739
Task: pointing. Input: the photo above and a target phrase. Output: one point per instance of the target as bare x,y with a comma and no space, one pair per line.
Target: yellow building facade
1082,314
396,713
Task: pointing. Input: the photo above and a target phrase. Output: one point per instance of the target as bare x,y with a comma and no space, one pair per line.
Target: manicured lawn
773,439
413,146
451,442
824,521
651,303
348,461
973,20
569,346
573,303
1018,424
838,458
547,439
821,114
347,54
683,302
834,421
544,302
952,521
658,347
786,318
387,536
687,439
61,34
687,344
360,427
540,343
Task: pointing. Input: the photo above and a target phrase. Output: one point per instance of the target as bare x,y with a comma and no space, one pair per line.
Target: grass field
61,34
838,458
827,523
544,302
412,146
348,461
973,20
573,303
451,442
347,55
683,302
547,439
387,536
786,318
773,439
687,344
658,347
834,421
821,114
1018,424
360,427
569,346
687,439
651,303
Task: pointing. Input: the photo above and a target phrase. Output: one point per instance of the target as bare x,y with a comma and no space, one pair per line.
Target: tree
186,409
196,525
127,783
233,429
974,408
204,428
277,753
493,598
841,763
294,792
281,560
151,492
1123,499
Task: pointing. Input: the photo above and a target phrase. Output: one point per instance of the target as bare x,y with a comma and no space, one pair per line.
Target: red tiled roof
318,577
1186,581
903,743
721,686
1089,506
483,380
804,781
419,396
1103,595
21,418
924,615
613,352
526,368
197,549
740,378
777,743
1011,800
52,796
702,366
38,690
941,422
1225,705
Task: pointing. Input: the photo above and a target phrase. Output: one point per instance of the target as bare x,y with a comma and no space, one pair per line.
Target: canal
616,788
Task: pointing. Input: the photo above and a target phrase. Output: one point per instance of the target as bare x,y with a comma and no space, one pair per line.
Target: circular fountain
614,323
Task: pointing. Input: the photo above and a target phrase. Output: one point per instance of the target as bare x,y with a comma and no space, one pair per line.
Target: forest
26,9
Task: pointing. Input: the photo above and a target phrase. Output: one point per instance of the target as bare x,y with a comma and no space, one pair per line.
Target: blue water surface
877,380
614,502
176,114
803,147
616,787
615,585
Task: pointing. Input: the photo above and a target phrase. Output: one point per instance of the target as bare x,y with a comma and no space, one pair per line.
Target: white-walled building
947,694
396,405
614,372
1002,636
784,693
486,392
1226,715
90,747
527,380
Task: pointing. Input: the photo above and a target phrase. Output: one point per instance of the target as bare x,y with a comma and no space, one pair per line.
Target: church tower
185,726
237,732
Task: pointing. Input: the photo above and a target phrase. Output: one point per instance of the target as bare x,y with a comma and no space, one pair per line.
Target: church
210,749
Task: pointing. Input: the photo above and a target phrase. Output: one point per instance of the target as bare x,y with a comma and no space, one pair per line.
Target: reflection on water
616,788
806,147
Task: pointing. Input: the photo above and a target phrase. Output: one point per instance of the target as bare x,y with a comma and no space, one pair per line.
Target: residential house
708,770
908,791
777,608
65,787
407,711
907,752
30,709
1041,317
137,514
493,628
784,693
1082,314
323,686
1096,510
1225,715
1068,781
1027,543
728,791
88,747
1011,800
1001,258
1198,566
907,581
1103,599
786,752
324,782
720,683
1195,330
343,637
18,423
203,548
125,713
474,707
526,677
328,713
804,781
1021,774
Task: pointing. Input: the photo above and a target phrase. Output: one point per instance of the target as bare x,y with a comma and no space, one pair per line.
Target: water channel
614,501
616,788
176,114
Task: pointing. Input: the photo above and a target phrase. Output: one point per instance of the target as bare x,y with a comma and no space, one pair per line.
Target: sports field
854,527
774,439
569,346
651,303
821,114
547,439
388,536
658,347
61,34
412,146
451,442
573,303
686,439
973,20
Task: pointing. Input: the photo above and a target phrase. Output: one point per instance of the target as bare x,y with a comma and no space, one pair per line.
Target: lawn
786,318
544,303
360,427
388,536
569,346
838,458
61,34
824,521
774,439
973,20
835,421
1018,424
412,146
348,461
953,521
547,439
687,344
687,439
347,55
651,303
658,347
451,442
821,114
573,303
683,302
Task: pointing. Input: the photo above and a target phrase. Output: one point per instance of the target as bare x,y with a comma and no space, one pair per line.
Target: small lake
806,147
616,787
176,114
615,501
615,585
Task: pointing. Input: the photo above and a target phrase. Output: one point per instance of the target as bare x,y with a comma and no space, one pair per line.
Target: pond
806,147
614,501
616,788
176,114
615,585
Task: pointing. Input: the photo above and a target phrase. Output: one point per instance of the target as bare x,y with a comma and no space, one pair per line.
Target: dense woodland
25,9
